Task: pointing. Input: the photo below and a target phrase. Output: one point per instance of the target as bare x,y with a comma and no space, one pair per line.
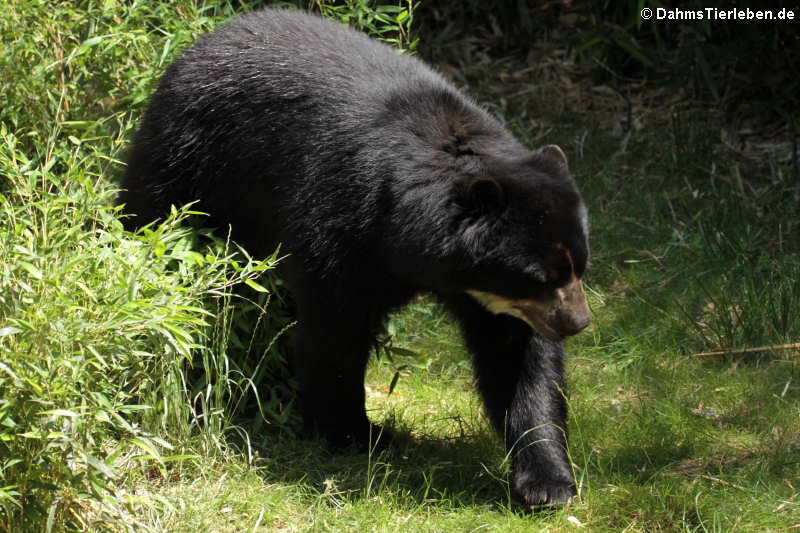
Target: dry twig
758,349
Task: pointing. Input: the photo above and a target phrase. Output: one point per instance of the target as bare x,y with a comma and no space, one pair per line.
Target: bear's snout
570,313
563,314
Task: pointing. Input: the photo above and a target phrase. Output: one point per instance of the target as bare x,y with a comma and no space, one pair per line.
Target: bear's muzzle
565,312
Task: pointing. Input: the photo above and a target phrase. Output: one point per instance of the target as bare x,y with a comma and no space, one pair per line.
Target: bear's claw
536,495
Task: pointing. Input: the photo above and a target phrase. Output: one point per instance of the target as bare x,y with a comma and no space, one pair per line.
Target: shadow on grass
455,472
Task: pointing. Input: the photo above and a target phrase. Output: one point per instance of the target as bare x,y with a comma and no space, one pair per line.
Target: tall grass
119,352
100,331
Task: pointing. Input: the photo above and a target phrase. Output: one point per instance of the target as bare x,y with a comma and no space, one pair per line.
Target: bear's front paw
538,493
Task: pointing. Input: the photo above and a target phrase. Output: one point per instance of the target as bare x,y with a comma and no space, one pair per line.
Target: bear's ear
486,194
554,153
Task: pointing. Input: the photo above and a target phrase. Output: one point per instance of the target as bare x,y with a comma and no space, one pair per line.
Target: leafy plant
390,22
99,333
103,334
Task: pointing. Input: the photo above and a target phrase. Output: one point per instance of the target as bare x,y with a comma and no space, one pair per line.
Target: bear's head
524,236
474,212
509,229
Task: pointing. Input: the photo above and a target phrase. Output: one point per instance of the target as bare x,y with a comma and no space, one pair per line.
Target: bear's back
280,109
296,56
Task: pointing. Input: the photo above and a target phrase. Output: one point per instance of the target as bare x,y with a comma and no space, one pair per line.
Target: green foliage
100,331
717,250
749,285
390,22
119,353
84,61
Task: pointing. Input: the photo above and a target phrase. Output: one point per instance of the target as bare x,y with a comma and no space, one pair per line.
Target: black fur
380,180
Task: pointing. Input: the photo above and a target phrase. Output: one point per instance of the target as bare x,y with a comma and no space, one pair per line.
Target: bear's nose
569,322
571,310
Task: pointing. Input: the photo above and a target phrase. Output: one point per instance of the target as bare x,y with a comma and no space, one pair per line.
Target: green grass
136,393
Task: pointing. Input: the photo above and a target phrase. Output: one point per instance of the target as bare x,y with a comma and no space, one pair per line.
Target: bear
380,180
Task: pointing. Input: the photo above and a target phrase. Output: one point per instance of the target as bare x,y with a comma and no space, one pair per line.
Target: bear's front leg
536,427
520,377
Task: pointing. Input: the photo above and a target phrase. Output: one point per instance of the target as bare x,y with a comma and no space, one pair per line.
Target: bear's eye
559,276
561,267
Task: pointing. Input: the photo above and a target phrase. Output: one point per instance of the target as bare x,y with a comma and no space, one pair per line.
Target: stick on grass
758,349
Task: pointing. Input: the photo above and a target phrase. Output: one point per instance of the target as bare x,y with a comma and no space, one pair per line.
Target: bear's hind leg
330,355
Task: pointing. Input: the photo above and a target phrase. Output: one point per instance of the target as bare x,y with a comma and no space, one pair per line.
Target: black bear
380,180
